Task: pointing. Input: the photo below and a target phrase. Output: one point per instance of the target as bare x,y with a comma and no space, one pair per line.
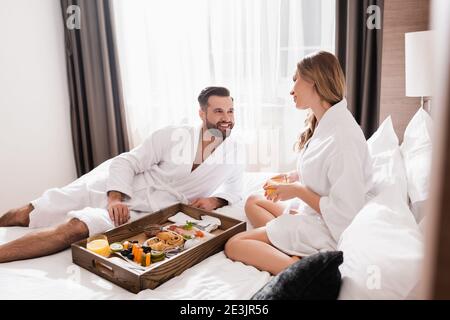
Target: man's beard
219,131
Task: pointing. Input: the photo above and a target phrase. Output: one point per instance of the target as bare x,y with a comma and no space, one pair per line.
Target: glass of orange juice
281,179
99,244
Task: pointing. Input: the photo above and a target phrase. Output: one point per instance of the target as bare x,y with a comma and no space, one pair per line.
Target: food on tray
152,230
187,231
165,240
145,259
99,244
138,255
143,255
199,234
192,235
157,255
188,226
164,243
116,247
148,260
160,246
127,253
135,249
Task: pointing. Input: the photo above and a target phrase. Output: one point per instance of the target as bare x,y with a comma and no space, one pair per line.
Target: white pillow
423,225
383,250
416,151
418,210
387,160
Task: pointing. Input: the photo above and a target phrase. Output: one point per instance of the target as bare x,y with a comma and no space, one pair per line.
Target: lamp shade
418,64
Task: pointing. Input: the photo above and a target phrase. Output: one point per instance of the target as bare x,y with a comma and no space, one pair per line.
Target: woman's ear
316,90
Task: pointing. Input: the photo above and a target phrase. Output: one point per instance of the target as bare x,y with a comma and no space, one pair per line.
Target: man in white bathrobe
201,166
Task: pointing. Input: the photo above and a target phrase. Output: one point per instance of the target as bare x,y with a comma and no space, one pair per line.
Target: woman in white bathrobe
329,187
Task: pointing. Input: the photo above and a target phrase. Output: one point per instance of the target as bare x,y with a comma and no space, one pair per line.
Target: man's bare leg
17,217
43,243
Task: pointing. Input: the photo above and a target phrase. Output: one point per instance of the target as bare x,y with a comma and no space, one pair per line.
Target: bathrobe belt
162,186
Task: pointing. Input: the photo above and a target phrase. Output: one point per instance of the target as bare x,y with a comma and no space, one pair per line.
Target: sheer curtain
171,49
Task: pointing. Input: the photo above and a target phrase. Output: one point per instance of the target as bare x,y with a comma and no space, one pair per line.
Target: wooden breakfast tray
134,280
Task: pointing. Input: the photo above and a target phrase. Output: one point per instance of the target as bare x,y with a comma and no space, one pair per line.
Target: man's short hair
211,91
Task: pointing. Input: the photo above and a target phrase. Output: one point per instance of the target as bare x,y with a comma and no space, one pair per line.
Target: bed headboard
400,16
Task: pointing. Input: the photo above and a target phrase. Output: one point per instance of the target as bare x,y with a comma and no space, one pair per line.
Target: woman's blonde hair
324,71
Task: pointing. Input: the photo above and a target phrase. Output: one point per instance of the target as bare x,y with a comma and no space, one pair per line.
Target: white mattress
56,277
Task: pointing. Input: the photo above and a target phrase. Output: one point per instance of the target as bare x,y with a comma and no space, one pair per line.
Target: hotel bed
56,277
383,246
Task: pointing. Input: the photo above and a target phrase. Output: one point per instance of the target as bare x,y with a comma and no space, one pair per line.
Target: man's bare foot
17,217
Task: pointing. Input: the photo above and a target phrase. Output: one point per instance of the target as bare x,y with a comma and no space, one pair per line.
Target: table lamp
418,64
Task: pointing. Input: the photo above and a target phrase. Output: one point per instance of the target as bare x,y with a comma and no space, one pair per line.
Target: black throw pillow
315,277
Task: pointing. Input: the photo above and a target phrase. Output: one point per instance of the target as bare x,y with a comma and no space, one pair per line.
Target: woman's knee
233,243
231,247
238,236
254,199
252,202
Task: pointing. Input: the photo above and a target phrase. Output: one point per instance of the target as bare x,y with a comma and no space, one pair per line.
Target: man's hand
208,204
118,210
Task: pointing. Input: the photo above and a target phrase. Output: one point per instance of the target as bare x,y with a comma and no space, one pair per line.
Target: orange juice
99,245
274,181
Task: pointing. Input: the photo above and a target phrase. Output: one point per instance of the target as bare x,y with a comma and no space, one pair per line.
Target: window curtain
359,50
170,50
96,102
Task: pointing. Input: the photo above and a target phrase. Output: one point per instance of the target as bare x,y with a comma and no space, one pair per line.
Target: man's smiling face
219,115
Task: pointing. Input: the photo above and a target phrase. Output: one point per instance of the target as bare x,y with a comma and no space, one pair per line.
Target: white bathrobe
337,166
153,176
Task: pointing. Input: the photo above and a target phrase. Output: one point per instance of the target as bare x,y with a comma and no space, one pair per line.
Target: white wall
35,140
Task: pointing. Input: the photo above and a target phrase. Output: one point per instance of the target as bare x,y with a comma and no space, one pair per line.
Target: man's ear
202,114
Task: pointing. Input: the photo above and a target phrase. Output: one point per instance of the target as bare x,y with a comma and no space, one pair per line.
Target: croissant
165,240
164,236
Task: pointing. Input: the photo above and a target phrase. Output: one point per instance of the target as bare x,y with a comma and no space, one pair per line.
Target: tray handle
103,268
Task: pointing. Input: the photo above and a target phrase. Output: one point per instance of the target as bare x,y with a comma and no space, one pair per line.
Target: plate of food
135,253
191,234
165,240
162,242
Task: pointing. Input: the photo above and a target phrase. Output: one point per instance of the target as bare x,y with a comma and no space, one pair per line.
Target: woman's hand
293,176
288,177
282,191
282,177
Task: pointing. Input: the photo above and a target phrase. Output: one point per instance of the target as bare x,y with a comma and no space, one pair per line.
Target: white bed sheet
56,277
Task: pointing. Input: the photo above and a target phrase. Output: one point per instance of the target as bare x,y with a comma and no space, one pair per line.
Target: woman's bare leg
17,217
260,211
45,242
254,248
